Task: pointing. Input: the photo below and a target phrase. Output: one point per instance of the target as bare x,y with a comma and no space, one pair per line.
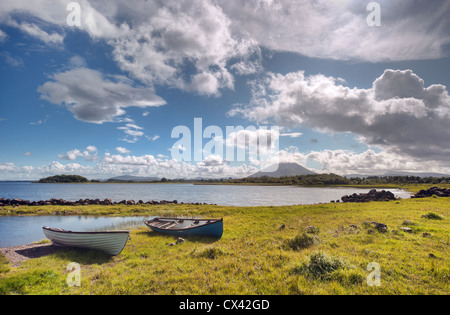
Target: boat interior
177,224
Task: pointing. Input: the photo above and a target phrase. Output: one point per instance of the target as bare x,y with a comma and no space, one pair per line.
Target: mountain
129,178
284,169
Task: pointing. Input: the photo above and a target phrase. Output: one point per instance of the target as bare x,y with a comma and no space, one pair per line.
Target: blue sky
102,99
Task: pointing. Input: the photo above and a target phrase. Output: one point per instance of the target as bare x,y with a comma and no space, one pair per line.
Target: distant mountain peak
282,170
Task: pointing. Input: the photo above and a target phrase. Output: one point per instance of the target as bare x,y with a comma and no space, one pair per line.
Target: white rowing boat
112,242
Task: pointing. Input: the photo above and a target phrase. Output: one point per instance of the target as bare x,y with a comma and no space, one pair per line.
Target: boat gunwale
213,221
87,233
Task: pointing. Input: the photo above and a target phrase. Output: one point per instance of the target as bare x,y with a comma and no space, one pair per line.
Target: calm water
16,231
226,195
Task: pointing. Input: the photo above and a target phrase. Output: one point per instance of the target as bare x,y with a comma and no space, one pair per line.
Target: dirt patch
19,254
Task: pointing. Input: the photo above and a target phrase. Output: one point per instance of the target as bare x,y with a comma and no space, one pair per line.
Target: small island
64,179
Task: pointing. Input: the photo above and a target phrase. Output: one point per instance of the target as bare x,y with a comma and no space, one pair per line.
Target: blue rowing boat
187,227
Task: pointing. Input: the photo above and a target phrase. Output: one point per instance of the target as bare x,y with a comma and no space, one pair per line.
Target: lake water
226,195
16,231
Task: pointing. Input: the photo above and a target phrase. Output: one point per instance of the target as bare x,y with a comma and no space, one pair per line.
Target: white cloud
89,154
122,150
180,35
154,40
51,39
214,166
153,138
338,29
3,36
93,98
13,61
132,131
292,135
398,113
369,162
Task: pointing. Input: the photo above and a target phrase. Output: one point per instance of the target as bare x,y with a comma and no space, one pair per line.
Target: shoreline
16,255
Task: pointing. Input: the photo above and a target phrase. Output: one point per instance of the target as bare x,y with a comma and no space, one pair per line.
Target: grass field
254,256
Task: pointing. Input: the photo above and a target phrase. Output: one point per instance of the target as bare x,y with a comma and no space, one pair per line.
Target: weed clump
302,241
322,267
433,216
211,253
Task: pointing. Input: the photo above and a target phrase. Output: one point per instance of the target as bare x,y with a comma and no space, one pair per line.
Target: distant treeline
64,179
333,179
302,180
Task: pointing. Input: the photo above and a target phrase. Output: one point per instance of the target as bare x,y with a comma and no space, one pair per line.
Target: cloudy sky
103,98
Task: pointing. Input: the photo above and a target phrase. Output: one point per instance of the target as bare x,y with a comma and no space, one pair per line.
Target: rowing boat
187,227
112,242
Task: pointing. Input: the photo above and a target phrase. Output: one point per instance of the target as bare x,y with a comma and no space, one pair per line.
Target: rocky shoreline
433,191
85,202
372,195
18,254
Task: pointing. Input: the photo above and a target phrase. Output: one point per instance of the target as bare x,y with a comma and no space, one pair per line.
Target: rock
372,195
172,244
433,191
426,234
380,227
406,229
180,240
432,256
131,203
281,228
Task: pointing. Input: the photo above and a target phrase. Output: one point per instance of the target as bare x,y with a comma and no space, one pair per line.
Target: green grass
254,256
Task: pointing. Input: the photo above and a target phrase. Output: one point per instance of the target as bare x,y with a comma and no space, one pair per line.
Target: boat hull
111,243
208,228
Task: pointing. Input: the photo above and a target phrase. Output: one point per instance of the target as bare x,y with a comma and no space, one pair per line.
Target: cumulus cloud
338,29
153,39
341,162
398,113
92,97
184,44
89,154
122,150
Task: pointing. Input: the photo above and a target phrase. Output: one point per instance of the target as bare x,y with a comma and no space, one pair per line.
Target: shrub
320,266
433,216
302,241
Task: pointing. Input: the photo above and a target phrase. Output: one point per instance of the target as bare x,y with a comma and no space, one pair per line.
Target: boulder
433,191
372,195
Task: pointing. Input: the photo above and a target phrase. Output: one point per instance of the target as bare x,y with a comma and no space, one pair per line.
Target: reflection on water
15,231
